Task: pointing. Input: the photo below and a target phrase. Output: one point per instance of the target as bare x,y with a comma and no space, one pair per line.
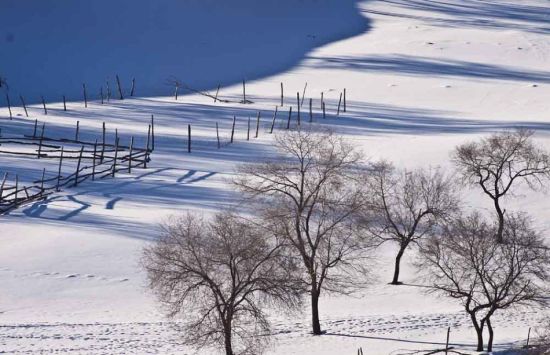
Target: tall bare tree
465,263
405,206
500,161
310,198
219,275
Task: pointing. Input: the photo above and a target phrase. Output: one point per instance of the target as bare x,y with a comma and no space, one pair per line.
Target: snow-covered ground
422,77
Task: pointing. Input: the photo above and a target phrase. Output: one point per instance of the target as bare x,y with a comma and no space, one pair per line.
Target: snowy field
421,77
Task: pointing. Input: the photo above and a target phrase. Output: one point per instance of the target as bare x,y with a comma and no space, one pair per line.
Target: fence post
35,126
273,121
103,144
133,86
188,138
44,105
77,130
447,342
217,91
324,111
244,92
9,105
322,99
298,103
78,166
130,156
303,95
64,103
289,116
528,337
24,106
282,96
94,160
41,139
2,185
119,87
59,170
248,130
152,133
116,157
42,181
257,124
233,129
85,96
16,187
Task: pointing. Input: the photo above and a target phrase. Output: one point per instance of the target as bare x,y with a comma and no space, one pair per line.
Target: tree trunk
500,215
479,332
395,280
227,339
491,335
315,311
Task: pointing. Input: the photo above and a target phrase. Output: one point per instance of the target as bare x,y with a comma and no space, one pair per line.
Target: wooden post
116,134
41,139
93,160
78,166
59,169
344,99
528,338
116,157
35,127
233,129
85,96
64,103
217,91
322,99
2,185
101,94
133,86
447,342
102,144
282,95
218,135
298,103
152,133
176,91
289,116
244,92
77,132
303,95
119,88
339,103
42,181
9,105
188,138
324,111
130,156
148,138
16,186
310,110
273,121
257,124
248,130
44,105
24,106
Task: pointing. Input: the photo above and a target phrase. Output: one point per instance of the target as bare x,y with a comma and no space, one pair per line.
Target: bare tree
465,263
405,206
495,163
310,198
219,275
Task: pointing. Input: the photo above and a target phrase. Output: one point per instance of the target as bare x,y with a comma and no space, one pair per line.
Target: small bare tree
219,275
310,198
495,163
465,263
405,206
